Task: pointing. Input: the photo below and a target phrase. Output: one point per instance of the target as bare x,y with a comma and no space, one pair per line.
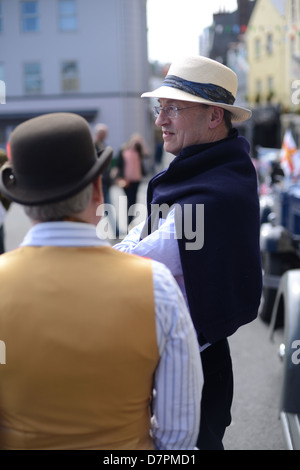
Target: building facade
267,53
83,56
224,41
273,45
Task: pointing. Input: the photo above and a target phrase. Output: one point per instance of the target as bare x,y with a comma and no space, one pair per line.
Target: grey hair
227,119
58,210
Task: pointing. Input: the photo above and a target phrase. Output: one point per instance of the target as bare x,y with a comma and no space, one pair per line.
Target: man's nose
161,118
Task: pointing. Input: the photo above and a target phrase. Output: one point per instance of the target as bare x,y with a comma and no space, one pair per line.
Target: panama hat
202,80
52,157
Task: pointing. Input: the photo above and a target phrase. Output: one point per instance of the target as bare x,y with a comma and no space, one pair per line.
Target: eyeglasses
170,111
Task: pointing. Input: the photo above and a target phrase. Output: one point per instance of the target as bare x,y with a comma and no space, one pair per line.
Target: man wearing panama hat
210,190
88,331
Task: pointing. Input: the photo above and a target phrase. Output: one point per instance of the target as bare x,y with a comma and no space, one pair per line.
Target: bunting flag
287,30
8,150
288,151
228,29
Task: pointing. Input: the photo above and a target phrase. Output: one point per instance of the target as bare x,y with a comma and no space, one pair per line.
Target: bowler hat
52,157
202,80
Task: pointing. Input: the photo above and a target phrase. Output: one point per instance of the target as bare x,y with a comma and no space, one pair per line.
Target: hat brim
238,113
30,197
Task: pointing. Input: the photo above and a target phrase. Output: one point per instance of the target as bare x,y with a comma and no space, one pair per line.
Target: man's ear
216,116
97,190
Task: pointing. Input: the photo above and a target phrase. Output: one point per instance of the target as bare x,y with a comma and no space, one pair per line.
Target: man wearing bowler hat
90,333
203,221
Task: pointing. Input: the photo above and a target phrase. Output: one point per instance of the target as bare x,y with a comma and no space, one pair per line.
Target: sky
174,26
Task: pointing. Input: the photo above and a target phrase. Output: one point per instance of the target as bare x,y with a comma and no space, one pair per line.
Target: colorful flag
288,150
8,150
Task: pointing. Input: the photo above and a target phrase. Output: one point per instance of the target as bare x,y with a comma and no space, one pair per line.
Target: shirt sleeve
160,245
178,379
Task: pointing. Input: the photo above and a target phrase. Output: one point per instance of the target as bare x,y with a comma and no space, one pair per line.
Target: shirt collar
63,234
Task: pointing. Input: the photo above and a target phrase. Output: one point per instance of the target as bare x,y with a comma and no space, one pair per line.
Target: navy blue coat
223,278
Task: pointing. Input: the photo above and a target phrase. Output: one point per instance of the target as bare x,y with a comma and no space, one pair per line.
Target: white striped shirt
178,378
160,245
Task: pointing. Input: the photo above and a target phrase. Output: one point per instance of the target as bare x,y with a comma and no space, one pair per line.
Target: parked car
287,303
280,304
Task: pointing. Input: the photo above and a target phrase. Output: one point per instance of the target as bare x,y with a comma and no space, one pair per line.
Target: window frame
269,44
33,77
69,16
25,17
69,84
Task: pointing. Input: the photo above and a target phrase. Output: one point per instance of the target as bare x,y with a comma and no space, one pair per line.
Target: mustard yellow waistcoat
81,349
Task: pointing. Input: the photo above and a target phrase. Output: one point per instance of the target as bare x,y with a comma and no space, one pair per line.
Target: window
270,88
30,16
293,11
257,48
1,21
258,90
270,84
67,15
258,86
293,45
69,76
269,45
33,77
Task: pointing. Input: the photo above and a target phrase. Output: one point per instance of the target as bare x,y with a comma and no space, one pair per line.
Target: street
257,368
257,375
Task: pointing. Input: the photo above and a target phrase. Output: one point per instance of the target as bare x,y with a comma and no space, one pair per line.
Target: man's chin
169,148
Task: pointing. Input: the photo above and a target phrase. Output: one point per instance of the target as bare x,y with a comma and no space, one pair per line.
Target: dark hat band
208,91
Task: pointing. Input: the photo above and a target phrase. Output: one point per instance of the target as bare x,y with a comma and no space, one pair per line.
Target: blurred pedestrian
100,136
130,164
90,333
4,205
